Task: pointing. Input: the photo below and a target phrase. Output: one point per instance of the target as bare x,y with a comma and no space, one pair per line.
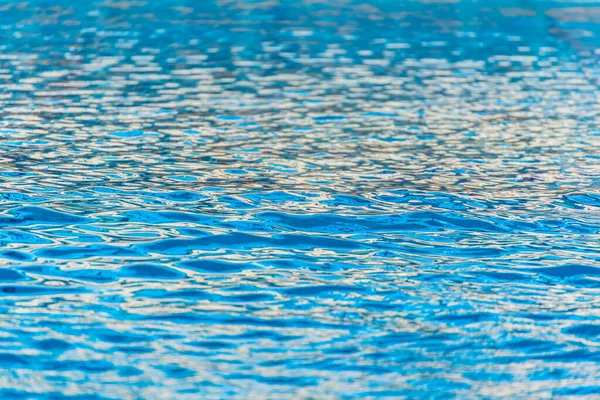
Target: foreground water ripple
299,199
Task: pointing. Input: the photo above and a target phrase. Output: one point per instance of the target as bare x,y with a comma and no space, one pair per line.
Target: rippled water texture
299,199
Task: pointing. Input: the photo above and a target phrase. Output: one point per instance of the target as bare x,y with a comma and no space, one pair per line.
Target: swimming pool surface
299,199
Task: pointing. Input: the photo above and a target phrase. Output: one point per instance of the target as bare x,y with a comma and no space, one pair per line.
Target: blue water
299,199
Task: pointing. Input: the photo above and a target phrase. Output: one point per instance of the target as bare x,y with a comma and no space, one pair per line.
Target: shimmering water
299,199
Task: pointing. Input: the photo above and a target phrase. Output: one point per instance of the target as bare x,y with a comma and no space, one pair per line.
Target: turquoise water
287,199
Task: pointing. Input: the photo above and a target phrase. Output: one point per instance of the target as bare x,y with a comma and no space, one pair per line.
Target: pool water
299,199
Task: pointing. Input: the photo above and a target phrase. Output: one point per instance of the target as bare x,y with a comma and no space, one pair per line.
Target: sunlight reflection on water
290,199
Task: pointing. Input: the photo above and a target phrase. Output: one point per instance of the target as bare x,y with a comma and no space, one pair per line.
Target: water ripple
299,199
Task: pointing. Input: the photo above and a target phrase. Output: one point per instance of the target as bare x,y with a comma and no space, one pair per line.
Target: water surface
299,199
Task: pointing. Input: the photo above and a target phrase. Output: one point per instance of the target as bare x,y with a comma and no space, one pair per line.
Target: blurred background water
299,199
